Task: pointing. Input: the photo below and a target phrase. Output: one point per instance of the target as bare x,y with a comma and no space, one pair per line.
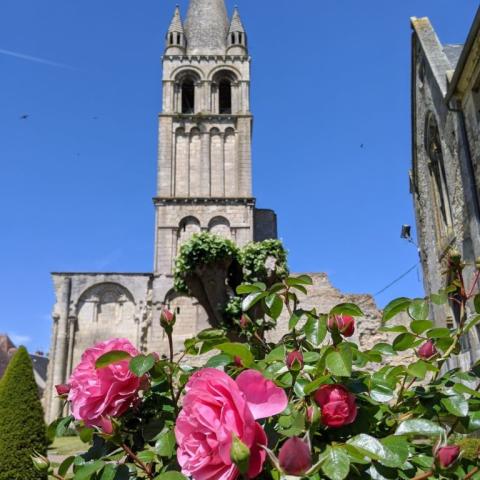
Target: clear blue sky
77,176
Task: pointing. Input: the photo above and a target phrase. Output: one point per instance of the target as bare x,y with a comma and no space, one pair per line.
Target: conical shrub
22,427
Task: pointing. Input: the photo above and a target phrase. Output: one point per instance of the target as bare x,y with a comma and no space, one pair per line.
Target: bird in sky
24,116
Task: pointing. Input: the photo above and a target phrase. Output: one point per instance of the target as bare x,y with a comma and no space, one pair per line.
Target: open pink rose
215,409
98,394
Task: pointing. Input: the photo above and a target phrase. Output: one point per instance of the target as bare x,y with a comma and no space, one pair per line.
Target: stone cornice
205,116
199,58
161,201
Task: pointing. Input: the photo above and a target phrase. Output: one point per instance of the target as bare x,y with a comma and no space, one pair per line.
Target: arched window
188,227
188,95
437,172
225,96
220,226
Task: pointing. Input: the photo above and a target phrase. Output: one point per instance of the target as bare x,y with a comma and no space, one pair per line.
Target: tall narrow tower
205,167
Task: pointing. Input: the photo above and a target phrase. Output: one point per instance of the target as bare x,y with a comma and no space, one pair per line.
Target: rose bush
314,405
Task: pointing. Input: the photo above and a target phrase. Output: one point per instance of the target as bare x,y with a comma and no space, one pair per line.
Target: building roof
236,25
176,23
453,53
467,50
206,27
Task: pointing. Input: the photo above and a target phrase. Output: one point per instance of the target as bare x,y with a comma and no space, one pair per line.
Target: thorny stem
475,281
146,468
471,473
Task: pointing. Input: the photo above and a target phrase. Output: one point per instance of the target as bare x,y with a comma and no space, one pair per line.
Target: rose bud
338,406
295,457
41,463
447,456
313,415
238,361
240,455
343,324
244,322
62,390
167,319
294,361
427,350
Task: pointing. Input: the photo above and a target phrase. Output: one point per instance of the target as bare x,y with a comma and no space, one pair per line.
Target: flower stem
423,476
146,468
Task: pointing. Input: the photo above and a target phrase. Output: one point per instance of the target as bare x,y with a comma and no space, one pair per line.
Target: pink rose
98,394
215,409
295,457
343,324
337,405
62,389
427,350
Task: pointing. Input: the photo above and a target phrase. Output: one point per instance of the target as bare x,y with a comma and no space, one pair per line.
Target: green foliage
261,260
22,429
201,249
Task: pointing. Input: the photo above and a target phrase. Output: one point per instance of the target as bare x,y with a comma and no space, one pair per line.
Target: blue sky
77,176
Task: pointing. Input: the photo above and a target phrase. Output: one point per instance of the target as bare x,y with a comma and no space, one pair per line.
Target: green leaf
210,334
461,388
171,476
238,350
395,307
301,280
275,306
474,422
113,356
440,298
418,309
420,326
418,369
252,299
251,288
86,471
315,330
374,449
294,319
62,426
476,303
381,392
438,333
165,445
394,329
146,456
384,349
339,363
419,427
313,386
277,355
65,466
217,361
399,449
456,405
336,463
141,364
472,323
404,341
109,472
346,309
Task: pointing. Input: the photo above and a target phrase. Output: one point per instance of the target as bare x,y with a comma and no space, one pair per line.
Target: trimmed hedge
22,427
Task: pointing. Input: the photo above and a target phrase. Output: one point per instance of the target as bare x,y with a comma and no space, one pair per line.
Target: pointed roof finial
206,27
176,23
236,25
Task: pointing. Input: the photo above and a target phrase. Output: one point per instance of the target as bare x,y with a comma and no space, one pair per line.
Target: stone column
61,358
49,388
72,322
205,165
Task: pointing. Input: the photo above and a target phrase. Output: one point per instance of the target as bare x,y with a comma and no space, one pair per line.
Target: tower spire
175,41
206,27
237,37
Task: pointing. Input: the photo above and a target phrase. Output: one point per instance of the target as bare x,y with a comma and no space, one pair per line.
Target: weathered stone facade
204,184
445,173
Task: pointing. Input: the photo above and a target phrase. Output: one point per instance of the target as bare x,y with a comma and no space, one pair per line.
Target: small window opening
179,40
171,39
240,38
225,96
188,96
178,310
233,38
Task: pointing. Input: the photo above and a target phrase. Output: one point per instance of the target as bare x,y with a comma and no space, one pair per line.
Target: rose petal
263,397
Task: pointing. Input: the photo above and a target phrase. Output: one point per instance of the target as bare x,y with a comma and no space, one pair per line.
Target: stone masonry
204,184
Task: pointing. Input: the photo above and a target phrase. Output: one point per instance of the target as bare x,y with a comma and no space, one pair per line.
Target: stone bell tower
205,135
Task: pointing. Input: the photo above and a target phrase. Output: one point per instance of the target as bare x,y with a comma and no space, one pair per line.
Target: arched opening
179,39
437,172
220,226
225,96
188,227
188,95
170,41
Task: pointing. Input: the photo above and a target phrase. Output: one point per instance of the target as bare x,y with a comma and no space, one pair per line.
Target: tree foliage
22,428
